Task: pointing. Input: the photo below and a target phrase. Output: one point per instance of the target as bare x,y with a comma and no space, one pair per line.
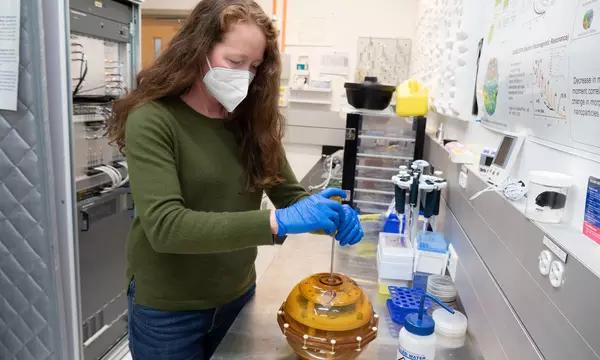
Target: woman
202,133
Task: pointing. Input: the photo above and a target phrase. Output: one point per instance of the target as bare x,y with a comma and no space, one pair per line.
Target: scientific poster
585,75
9,53
539,71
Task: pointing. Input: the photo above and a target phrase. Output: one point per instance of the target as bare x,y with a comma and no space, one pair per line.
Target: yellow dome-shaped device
329,303
327,317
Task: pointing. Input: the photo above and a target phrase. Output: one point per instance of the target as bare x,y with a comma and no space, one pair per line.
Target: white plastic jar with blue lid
417,339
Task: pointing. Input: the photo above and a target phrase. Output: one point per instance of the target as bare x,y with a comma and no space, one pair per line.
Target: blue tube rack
404,301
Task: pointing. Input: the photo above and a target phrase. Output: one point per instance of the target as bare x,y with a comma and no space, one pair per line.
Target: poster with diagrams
539,71
386,58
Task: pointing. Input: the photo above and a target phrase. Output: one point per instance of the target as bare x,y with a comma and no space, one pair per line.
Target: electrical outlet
462,179
452,262
544,261
557,273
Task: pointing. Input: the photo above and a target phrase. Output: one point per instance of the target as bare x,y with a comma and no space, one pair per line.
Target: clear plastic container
387,145
375,172
450,329
443,288
373,197
370,209
393,126
381,162
371,201
374,184
395,256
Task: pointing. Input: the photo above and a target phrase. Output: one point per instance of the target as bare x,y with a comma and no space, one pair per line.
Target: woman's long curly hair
257,122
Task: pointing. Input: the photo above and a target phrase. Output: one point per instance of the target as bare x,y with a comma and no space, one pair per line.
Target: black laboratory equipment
377,144
104,53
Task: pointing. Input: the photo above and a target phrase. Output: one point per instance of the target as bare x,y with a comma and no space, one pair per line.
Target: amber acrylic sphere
327,317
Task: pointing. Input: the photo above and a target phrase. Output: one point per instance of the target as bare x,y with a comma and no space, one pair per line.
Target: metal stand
424,192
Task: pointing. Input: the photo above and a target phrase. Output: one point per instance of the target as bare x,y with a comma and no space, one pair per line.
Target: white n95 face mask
228,86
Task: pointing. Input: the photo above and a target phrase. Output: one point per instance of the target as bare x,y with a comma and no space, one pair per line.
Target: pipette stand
417,185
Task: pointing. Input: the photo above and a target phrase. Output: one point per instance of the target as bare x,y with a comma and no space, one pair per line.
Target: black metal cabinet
104,223
377,144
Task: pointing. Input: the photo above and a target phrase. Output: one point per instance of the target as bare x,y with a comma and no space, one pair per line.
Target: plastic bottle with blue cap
417,339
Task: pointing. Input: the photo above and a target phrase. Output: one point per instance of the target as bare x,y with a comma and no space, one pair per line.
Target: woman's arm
289,191
169,225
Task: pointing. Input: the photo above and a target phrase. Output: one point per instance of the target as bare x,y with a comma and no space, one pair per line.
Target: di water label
591,225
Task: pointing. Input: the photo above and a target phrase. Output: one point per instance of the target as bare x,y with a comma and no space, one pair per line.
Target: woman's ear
204,65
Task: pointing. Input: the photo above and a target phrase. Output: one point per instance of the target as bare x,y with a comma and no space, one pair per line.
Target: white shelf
382,156
359,178
88,118
367,202
570,239
373,137
349,109
366,167
312,89
314,102
372,191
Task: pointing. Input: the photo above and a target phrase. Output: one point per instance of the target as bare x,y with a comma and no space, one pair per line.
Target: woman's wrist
273,222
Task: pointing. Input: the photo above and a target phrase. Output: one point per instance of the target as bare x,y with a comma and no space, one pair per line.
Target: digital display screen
504,151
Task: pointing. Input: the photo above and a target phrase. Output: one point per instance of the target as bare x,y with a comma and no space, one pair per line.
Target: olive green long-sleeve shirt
193,242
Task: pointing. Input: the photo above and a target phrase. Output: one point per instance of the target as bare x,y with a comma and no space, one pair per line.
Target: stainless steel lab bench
255,334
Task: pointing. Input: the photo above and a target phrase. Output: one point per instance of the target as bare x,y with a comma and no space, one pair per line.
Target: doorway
157,32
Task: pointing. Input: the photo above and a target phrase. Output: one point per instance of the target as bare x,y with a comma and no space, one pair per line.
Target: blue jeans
179,335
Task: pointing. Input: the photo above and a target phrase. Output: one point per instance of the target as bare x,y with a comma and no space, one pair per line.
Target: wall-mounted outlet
452,262
463,178
544,261
557,273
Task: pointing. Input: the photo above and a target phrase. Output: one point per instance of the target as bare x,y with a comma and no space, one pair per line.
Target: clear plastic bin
387,145
373,198
370,209
374,184
392,126
375,172
364,160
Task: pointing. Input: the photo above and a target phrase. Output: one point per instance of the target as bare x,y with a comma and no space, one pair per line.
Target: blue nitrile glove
350,231
314,213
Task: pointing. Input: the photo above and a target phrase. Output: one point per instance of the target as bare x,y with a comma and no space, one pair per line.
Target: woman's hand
314,213
350,231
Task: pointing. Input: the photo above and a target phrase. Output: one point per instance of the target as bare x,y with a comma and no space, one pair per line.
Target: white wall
534,156
337,24
346,21
340,23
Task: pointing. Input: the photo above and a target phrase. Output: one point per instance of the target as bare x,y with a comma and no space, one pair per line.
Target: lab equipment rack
104,38
377,144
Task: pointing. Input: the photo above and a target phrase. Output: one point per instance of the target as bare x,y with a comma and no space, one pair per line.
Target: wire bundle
512,190
115,176
78,55
332,161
